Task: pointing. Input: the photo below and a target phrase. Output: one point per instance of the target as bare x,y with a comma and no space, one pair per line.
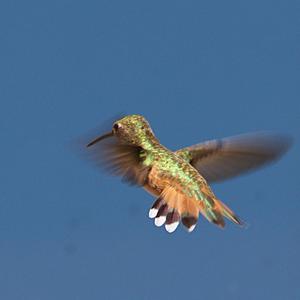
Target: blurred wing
218,160
120,159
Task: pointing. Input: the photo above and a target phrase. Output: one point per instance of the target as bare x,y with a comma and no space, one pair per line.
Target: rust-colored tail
172,207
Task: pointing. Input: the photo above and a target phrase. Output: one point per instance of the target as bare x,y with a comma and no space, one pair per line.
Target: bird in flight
180,179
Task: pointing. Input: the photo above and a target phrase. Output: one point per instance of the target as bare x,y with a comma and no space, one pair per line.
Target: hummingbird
180,180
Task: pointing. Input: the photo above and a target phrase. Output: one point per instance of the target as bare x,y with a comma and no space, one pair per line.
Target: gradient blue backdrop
196,70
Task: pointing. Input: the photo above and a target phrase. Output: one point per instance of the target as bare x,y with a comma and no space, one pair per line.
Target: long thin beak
100,138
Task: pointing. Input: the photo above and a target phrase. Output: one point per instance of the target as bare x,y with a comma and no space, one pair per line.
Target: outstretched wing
217,160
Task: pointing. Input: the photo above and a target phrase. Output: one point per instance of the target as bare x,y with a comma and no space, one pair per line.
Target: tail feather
172,221
215,217
189,222
172,207
229,214
214,210
155,207
161,216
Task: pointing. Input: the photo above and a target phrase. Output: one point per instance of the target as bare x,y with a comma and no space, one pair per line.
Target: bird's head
131,129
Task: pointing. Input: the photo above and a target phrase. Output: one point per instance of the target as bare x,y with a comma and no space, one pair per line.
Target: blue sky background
197,70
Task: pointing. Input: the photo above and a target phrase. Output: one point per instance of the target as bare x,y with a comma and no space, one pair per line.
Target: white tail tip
191,228
153,213
171,227
160,221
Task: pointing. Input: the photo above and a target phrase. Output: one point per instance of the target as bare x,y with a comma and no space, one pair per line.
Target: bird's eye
116,127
